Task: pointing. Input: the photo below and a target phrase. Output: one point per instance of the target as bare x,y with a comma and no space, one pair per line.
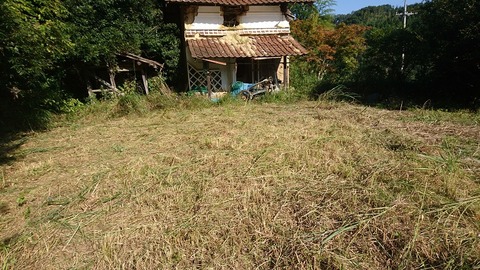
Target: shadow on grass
18,117
9,143
398,95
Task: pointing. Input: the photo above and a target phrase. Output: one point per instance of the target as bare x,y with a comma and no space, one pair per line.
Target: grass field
306,185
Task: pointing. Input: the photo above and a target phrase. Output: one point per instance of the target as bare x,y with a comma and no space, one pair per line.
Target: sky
347,6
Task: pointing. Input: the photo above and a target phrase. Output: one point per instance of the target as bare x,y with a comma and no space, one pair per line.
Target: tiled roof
245,46
239,2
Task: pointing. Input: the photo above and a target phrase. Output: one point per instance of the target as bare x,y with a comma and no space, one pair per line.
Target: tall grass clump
285,96
338,93
131,103
129,100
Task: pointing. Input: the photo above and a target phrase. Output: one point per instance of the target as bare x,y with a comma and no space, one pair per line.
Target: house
237,40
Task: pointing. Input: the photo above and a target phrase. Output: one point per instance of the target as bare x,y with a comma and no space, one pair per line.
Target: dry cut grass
246,186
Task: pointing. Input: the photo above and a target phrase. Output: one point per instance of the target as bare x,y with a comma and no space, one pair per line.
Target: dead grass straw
244,186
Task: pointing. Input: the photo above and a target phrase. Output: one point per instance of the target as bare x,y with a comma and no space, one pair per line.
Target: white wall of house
260,17
257,17
208,18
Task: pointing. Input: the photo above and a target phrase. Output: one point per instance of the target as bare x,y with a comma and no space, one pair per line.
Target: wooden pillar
89,88
253,71
112,80
231,73
206,69
258,70
145,81
286,72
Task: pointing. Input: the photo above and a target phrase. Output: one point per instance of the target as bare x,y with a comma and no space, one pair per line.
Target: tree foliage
33,41
40,38
440,47
383,17
451,30
321,9
45,45
334,51
103,28
331,50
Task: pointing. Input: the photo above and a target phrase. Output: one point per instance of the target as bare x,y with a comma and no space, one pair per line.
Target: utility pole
405,14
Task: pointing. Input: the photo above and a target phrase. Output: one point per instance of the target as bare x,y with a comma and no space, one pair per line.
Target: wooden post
231,72
89,89
112,80
258,70
145,81
209,84
206,69
252,64
286,69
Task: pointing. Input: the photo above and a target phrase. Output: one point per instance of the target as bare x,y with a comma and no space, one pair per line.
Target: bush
131,103
303,80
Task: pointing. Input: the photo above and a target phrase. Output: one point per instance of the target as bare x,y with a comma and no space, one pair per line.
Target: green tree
103,28
33,41
333,51
321,9
46,45
382,70
451,30
441,46
383,17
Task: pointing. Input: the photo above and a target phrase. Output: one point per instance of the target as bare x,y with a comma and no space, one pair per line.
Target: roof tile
251,46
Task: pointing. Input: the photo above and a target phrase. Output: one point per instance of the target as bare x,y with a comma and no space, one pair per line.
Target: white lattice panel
216,80
198,78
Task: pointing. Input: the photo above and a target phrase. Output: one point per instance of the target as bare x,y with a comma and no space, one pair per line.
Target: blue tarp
238,87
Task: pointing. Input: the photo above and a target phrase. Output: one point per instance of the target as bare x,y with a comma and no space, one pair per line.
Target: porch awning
235,46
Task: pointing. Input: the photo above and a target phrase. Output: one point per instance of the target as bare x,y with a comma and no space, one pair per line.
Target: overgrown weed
338,93
130,103
284,96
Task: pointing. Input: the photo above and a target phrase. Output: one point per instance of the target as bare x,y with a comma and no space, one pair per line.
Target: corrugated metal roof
245,46
239,2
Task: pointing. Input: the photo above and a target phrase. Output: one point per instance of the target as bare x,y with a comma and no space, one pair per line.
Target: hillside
241,186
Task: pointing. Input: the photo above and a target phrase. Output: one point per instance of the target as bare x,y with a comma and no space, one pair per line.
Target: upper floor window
231,15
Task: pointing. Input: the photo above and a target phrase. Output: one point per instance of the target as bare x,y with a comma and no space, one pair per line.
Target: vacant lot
241,186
